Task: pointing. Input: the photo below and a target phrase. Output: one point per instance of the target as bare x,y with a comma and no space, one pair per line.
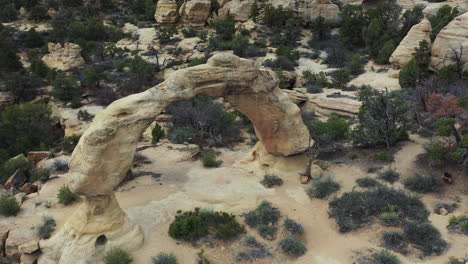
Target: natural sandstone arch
106,150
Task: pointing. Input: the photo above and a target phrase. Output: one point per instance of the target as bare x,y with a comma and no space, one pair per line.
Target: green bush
367,182
225,28
293,247
40,174
423,184
425,237
323,187
193,225
164,258
117,256
38,13
208,158
264,218
408,75
386,52
444,15
197,61
157,133
65,196
180,135
66,88
390,176
394,240
293,227
383,156
47,228
9,206
436,151
333,129
355,209
271,180
385,257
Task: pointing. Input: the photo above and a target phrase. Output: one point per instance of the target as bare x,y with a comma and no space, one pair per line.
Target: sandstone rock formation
195,12
63,58
166,12
309,10
453,37
106,150
239,9
402,54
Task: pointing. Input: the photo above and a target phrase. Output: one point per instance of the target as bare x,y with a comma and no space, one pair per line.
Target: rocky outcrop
309,10
106,150
453,37
195,12
239,9
166,12
342,106
63,58
419,32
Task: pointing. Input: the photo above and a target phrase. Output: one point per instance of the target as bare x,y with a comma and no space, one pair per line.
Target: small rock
315,171
30,258
443,211
16,180
29,188
304,179
29,247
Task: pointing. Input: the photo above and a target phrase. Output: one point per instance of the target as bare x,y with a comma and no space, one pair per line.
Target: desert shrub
32,38
264,218
193,225
394,240
208,158
390,218
189,32
47,227
458,222
208,121
293,247
38,13
386,52
225,28
197,61
355,65
117,256
355,209
66,196
9,206
165,33
389,175
69,143
271,180
335,128
10,166
367,182
164,258
40,174
383,156
340,78
22,86
436,151
281,62
408,75
385,257
425,237
157,133
66,88
293,227
383,118
323,187
423,184
201,257
454,260
180,135
316,79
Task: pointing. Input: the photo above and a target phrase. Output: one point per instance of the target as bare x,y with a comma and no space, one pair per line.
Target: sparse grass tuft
264,219
118,256
271,180
293,247
390,176
47,227
385,257
9,206
323,187
367,182
66,196
164,258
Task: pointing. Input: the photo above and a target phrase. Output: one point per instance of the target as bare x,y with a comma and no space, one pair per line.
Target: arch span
105,152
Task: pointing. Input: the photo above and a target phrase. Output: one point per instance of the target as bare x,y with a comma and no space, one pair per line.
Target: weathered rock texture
453,36
195,12
239,9
402,54
63,58
166,12
309,10
106,150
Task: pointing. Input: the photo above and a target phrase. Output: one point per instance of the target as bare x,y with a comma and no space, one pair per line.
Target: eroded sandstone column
106,150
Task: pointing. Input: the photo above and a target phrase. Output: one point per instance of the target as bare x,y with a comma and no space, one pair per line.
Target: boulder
419,32
36,156
166,12
28,188
296,96
17,179
315,171
29,247
452,37
239,9
195,12
130,28
15,239
63,58
188,44
309,10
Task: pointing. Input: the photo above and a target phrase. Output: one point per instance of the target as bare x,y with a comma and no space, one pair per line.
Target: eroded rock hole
101,240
